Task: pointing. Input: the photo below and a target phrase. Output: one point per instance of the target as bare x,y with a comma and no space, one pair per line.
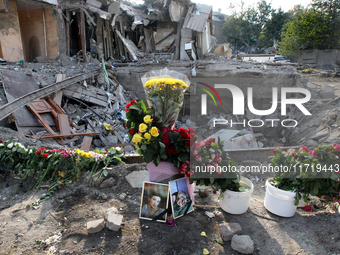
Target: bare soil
72,207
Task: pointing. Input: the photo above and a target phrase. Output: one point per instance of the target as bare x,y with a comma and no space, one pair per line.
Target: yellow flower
147,136
82,153
136,138
170,81
154,132
142,127
88,155
147,119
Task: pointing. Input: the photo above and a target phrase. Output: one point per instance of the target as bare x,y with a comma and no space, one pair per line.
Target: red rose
166,139
218,159
308,208
44,155
132,131
274,151
336,147
133,102
218,170
127,106
38,152
0,141
312,152
211,140
164,129
189,173
183,133
303,148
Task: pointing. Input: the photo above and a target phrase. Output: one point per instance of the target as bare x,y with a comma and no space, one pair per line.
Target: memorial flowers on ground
309,172
57,167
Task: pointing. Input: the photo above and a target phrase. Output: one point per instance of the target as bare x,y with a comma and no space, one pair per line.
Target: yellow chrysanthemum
147,119
136,138
147,136
82,153
154,132
142,127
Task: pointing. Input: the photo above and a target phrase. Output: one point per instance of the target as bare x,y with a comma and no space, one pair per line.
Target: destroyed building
110,29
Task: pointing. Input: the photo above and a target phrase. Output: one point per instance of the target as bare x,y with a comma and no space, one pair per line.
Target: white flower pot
279,202
237,202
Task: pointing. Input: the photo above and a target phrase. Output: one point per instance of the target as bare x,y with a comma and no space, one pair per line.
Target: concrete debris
136,178
95,226
113,219
242,244
228,230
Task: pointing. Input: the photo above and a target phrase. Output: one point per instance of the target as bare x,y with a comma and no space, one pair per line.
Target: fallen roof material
11,107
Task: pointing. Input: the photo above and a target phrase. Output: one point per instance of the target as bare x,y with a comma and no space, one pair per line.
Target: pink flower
196,147
218,159
336,147
194,152
201,143
218,170
212,156
308,208
198,158
303,148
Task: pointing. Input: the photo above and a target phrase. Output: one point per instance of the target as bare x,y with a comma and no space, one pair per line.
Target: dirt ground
22,229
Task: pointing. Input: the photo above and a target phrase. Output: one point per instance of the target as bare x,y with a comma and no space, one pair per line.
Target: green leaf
143,106
143,147
162,145
134,107
105,172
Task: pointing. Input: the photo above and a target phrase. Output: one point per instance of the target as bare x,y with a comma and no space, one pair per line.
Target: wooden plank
118,136
82,34
63,124
41,120
85,98
9,108
57,97
58,109
71,135
86,144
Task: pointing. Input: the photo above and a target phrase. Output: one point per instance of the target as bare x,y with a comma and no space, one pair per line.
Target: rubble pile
96,104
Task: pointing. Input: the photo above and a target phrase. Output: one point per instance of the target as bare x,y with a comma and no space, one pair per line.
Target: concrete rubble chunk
113,219
242,244
95,226
136,179
228,230
109,211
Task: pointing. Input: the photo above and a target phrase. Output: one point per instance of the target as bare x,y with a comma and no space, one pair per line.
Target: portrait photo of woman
154,201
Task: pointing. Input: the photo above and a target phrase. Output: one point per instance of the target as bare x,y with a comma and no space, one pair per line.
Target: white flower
2,145
30,151
10,146
19,145
118,148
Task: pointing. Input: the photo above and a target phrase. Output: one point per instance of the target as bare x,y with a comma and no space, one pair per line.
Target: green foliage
314,172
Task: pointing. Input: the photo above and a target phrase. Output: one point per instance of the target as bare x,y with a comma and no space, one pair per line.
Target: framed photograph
180,200
154,202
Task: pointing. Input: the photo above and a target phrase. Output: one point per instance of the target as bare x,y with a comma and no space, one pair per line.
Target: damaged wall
10,35
33,33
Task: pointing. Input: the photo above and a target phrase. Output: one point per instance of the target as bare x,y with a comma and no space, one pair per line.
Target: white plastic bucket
279,202
237,202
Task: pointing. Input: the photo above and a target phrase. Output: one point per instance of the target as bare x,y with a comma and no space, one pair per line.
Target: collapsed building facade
109,29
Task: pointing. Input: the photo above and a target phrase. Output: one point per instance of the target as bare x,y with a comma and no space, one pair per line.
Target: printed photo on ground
154,201
180,200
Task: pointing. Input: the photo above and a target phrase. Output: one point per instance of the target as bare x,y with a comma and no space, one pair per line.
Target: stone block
242,244
136,179
228,230
95,226
113,221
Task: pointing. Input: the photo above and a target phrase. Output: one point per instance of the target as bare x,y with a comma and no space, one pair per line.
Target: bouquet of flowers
154,141
164,90
213,166
314,172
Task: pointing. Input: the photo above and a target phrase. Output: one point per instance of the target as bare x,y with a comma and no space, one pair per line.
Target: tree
307,31
244,28
273,27
331,8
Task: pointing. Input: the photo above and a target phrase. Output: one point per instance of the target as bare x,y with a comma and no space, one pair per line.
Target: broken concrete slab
244,142
136,179
225,135
109,211
113,220
95,226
